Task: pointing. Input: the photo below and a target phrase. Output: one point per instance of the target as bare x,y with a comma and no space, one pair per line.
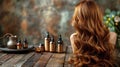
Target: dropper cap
41,44
60,40
60,37
52,39
25,40
19,41
47,35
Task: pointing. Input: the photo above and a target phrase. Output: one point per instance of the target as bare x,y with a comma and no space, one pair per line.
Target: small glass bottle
25,44
42,48
60,45
47,42
52,45
19,45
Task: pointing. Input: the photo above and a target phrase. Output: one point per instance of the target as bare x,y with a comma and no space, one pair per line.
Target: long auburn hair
92,39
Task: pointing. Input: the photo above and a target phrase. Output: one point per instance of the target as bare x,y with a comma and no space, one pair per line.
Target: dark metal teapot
12,41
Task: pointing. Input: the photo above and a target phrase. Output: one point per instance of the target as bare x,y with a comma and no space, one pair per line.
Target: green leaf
107,11
113,12
112,22
105,18
118,13
112,29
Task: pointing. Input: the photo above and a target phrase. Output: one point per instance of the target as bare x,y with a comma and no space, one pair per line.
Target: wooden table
33,59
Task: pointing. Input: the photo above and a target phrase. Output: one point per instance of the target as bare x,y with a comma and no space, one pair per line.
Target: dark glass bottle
25,44
60,45
47,41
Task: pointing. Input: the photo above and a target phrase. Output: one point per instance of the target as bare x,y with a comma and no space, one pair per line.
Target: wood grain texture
23,59
2,54
12,61
43,60
57,60
5,58
68,54
32,60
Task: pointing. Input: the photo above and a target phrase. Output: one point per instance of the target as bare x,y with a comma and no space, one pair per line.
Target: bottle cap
60,37
25,40
47,35
19,40
52,39
41,44
60,40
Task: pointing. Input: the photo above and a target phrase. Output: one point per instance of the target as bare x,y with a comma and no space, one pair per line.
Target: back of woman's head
87,16
92,38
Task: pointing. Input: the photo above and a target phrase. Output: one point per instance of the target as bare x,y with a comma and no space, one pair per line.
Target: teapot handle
7,34
3,40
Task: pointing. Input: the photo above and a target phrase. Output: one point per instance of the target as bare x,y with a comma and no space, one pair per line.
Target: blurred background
31,19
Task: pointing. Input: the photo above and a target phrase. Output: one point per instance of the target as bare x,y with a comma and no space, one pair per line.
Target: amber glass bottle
60,45
19,44
42,48
52,45
47,42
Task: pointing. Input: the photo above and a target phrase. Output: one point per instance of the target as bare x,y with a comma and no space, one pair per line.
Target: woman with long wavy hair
92,43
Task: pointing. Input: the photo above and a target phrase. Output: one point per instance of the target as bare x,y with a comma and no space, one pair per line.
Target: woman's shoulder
72,36
113,33
113,37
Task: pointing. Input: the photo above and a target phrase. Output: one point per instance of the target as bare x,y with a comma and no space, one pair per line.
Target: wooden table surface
33,59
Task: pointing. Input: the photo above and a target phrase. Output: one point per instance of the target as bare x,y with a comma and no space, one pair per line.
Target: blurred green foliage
112,20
